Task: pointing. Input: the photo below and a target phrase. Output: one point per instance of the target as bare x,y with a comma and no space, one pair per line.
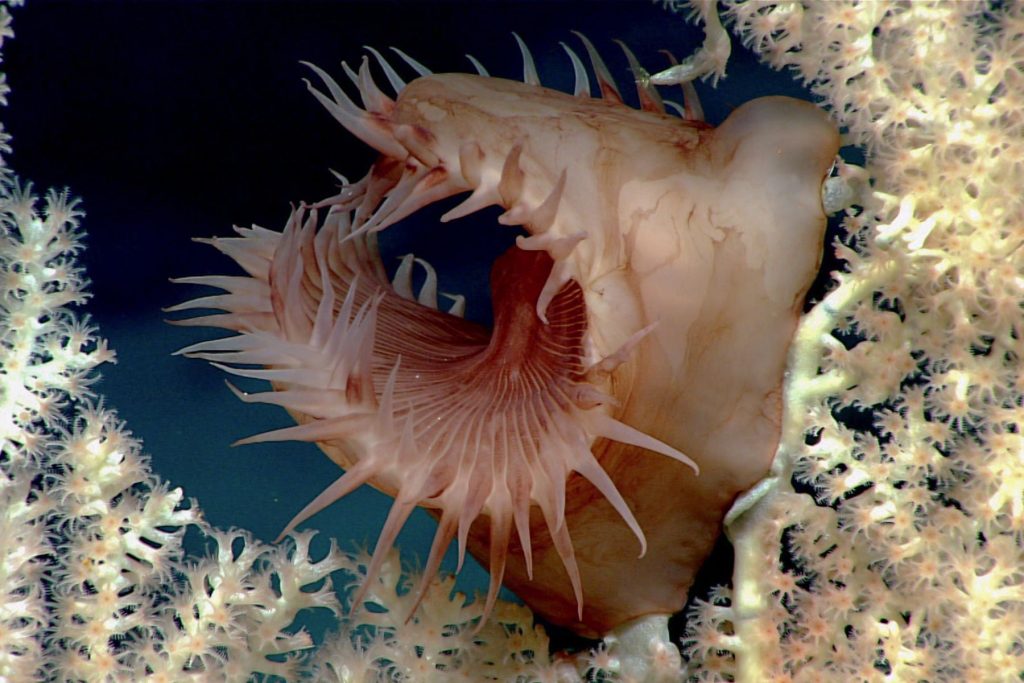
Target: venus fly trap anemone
588,444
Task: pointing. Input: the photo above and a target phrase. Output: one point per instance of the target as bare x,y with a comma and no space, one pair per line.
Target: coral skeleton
885,545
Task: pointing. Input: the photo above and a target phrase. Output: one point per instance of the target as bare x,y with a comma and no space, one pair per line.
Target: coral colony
890,552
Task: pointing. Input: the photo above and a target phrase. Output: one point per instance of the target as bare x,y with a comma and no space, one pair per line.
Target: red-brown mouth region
649,309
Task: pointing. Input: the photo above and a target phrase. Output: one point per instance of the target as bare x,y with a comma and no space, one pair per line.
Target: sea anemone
629,386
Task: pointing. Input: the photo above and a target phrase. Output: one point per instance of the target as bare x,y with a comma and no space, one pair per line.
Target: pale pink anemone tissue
587,445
